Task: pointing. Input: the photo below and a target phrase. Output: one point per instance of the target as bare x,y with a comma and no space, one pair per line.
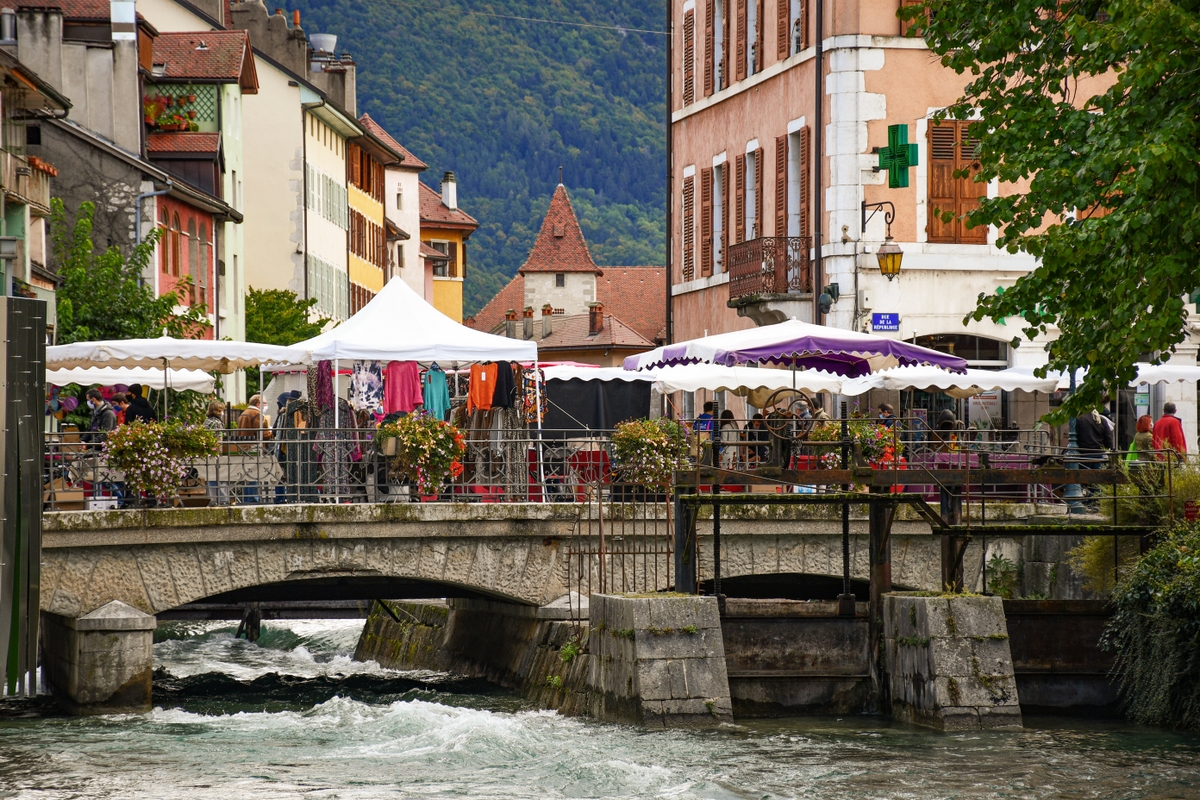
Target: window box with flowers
648,452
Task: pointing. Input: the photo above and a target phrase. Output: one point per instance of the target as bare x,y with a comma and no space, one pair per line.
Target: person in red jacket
1168,432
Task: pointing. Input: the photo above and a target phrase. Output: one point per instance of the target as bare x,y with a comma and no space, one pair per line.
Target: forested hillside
504,102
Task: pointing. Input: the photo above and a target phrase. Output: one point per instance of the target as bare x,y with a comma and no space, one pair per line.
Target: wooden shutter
710,9
741,40
803,19
706,222
689,226
689,58
969,191
760,53
726,38
739,199
759,169
805,180
355,167
942,163
725,219
912,28
783,28
781,185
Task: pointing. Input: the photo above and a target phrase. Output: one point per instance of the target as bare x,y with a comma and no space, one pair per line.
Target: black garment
140,409
577,405
1092,435
762,435
505,393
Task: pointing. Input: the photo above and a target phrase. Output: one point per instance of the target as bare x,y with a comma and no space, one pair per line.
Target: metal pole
717,548
846,598
818,110
1073,492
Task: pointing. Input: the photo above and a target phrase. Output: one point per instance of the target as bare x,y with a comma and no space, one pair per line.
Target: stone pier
102,662
947,662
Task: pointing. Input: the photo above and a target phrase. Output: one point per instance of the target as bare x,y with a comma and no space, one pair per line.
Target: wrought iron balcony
769,265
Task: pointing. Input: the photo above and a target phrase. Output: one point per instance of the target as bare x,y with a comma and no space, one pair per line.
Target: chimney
547,320
296,18
449,191
510,323
595,318
528,322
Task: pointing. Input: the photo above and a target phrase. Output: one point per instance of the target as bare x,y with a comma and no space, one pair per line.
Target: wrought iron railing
769,265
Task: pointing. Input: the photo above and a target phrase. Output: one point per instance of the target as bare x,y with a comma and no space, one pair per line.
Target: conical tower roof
560,246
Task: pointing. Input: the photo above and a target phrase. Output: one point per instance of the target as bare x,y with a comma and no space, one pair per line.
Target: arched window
176,255
193,260
164,242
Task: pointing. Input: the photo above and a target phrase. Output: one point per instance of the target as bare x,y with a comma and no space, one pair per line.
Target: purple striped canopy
801,345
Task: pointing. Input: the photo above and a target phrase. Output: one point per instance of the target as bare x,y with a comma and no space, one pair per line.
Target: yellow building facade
445,229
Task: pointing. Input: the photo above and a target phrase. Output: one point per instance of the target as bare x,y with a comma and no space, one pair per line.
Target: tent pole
166,389
336,496
537,390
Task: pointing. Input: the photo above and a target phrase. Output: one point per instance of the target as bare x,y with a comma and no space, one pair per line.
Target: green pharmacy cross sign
897,157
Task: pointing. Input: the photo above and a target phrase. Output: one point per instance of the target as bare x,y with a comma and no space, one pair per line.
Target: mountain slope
503,103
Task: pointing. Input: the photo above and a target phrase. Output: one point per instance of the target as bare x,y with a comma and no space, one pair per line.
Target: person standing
251,425
138,407
731,436
103,420
887,417
703,428
1142,446
1168,432
119,403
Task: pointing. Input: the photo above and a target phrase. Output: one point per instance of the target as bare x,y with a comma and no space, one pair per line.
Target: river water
293,716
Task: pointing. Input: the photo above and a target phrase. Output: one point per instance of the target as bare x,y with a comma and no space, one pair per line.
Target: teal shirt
436,394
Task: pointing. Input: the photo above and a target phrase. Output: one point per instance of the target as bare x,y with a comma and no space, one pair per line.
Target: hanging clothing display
402,388
531,392
335,448
505,394
296,453
436,393
322,392
483,387
366,386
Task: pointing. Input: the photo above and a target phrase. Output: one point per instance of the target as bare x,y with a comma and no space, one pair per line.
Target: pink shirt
402,387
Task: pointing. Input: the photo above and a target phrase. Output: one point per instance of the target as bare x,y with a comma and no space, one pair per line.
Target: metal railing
769,265
24,182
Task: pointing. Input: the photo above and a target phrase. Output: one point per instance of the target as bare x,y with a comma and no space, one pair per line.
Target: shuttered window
759,169
706,222
805,180
912,28
689,58
739,199
952,150
742,44
781,185
759,56
710,10
783,27
689,228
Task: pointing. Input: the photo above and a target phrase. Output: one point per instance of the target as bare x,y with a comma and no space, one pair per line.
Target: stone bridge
157,560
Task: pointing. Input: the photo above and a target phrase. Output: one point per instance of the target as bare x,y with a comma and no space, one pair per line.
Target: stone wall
947,662
102,662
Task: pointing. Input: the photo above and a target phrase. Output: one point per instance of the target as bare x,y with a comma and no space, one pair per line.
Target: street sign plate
885,322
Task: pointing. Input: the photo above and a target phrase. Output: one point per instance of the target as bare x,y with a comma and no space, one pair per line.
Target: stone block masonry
947,662
102,662
658,661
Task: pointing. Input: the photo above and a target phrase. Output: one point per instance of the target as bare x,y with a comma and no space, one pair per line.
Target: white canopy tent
743,380
572,373
179,379
972,382
1147,373
205,354
398,325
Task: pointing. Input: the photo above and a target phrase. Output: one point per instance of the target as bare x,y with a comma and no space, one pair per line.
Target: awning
180,379
205,354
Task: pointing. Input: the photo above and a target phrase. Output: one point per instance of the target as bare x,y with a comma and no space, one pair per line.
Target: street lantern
889,256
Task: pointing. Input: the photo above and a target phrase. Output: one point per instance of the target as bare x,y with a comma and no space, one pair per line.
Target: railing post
685,547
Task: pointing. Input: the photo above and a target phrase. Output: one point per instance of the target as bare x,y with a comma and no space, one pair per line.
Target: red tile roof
433,211
207,55
574,333
560,246
183,142
410,161
637,295
426,251
511,296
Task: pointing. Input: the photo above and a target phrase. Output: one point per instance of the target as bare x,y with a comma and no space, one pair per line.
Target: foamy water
294,716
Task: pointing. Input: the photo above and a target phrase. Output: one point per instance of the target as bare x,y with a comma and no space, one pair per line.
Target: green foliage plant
1093,560
428,451
278,316
648,452
1091,105
102,295
1155,632
568,652
1002,577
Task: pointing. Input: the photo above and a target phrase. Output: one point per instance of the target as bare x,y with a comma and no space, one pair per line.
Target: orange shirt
483,387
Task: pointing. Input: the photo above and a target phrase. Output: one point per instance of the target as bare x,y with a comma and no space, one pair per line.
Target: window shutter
725,220
741,39
781,187
739,199
969,191
942,162
803,18
710,9
689,58
759,169
783,24
912,28
760,54
689,227
805,180
354,176
706,222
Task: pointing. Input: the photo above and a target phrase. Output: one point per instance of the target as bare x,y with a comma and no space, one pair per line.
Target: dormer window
560,279
560,231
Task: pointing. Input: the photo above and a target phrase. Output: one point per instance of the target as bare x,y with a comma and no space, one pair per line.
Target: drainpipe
819,64
138,209
670,171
